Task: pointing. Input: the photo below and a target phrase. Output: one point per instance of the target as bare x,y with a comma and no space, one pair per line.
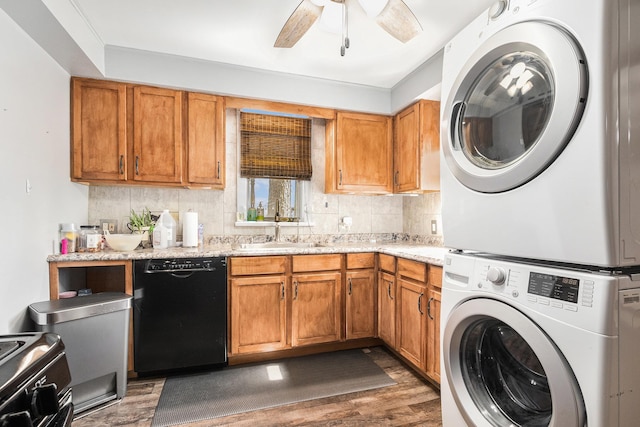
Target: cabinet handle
121,165
429,308
395,178
420,302
389,290
137,161
282,293
340,177
350,286
295,292
218,169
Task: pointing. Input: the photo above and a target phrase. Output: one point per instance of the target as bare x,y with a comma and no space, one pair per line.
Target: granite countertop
423,253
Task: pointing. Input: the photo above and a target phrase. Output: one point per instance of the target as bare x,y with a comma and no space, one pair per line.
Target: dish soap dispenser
251,213
260,212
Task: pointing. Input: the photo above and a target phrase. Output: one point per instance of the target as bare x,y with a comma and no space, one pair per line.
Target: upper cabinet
157,135
124,133
359,157
205,140
98,131
417,148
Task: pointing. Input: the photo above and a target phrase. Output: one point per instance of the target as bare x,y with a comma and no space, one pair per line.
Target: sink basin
275,246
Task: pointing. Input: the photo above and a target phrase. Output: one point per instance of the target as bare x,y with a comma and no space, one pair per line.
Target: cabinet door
363,153
98,140
258,314
157,135
411,329
433,333
387,308
315,308
417,148
205,143
360,304
406,175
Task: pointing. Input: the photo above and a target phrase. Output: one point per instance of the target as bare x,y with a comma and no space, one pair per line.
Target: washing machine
540,143
527,344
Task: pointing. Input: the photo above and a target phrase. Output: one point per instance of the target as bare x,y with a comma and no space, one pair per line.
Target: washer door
503,370
514,107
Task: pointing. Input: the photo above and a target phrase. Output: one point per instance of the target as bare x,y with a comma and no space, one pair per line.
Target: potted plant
142,224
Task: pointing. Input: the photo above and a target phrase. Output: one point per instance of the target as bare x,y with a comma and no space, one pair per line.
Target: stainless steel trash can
95,332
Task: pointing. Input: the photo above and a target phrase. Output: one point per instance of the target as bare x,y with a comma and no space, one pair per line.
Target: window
274,164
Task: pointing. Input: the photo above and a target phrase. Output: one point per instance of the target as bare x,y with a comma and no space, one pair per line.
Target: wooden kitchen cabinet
157,135
144,135
433,323
359,154
98,130
411,312
258,309
387,308
258,314
316,299
360,295
205,140
417,148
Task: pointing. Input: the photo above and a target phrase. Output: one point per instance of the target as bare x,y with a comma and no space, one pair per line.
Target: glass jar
89,239
68,238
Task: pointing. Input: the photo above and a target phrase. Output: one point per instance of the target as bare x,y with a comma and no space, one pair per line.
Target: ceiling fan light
373,7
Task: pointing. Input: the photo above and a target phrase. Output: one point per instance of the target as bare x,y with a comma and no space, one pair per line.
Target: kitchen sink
274,246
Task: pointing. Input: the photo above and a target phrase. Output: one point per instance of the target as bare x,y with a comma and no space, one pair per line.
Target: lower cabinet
412,324
258,314
315,308
360,296
387,308
433,322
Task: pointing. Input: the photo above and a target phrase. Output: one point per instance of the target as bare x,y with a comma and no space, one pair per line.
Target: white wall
34,141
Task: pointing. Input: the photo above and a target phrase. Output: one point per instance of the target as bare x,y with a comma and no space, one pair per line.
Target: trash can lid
65,310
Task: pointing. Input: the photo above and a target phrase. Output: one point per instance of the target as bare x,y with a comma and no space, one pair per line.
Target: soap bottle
260,212
251,213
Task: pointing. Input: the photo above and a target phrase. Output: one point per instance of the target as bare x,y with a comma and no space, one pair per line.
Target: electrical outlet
434,226
110,225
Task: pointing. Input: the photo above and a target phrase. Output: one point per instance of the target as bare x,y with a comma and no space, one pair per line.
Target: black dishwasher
179,314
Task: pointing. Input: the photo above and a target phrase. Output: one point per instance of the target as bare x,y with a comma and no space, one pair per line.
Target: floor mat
233,390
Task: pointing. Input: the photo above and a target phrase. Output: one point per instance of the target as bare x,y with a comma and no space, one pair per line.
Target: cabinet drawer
243,266
435,276
412,269
316,262
387,263
360,260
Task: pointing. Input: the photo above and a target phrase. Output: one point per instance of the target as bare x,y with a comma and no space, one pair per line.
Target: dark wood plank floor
411,402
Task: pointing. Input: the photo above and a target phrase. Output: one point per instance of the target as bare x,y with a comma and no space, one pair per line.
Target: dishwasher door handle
182,275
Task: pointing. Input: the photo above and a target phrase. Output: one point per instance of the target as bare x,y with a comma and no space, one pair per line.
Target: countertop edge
430,254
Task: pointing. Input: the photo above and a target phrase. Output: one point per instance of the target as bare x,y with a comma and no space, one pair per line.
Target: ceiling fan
394,16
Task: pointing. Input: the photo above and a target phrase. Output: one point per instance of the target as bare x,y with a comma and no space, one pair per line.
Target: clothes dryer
537,345
540,132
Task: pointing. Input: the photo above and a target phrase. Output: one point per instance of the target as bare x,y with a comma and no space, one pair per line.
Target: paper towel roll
190,230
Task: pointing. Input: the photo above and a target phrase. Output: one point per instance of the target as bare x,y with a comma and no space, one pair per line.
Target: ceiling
242,32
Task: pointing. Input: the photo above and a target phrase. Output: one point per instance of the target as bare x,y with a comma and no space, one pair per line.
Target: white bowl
123,242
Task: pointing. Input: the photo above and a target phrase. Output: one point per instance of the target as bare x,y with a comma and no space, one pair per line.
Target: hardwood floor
411,402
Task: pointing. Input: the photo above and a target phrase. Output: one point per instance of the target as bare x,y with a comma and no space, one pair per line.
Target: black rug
233,390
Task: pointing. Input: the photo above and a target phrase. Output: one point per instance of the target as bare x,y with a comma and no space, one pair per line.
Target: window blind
275,146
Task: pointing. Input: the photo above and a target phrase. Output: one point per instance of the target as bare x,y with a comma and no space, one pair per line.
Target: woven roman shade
275,146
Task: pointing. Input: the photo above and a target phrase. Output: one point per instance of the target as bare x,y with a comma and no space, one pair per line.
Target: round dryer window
514,106
502,369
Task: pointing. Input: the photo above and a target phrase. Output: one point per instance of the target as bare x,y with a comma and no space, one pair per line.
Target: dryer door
503,370
514,107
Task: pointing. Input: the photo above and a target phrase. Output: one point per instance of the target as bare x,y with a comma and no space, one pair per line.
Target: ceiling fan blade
298,23
399,21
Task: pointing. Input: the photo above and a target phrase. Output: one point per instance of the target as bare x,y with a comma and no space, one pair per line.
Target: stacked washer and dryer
540,181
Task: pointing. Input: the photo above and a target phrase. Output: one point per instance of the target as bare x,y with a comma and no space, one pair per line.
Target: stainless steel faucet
276,236
276,219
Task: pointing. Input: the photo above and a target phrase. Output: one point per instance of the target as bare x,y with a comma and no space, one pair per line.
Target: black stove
34,381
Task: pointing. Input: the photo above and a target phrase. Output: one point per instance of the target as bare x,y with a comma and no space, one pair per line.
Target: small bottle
260,212
164,233
251,214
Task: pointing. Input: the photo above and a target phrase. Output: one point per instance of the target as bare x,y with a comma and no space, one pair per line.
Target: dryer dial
496,275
